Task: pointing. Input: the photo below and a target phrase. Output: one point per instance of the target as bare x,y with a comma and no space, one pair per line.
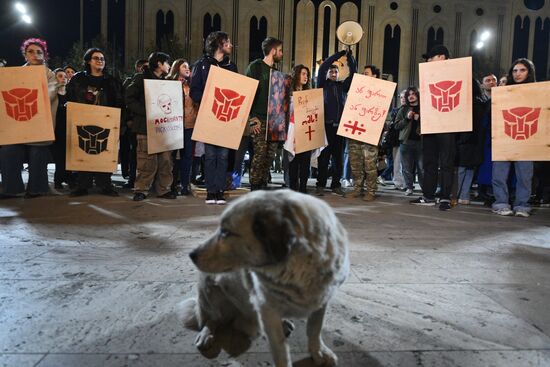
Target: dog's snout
194,255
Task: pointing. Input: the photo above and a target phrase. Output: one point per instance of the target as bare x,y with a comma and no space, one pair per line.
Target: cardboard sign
366,109
92,138
25,110
225,106
309,120
446,96
164,110
521,122
277,107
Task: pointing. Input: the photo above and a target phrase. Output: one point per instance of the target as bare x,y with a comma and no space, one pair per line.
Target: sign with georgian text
93,135
309,120
164,110
25,109
520,124
446,96
225,106
366,109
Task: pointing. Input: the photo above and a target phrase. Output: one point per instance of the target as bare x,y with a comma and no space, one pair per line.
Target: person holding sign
298,167
35,52
96,87
522,71
218,48
335,92
438,154
155,167
363,159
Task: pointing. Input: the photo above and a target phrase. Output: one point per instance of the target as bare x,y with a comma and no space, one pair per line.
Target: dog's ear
276,232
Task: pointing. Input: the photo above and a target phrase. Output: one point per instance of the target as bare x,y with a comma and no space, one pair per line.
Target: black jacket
110,91
470,144
135,101
335,92
200,74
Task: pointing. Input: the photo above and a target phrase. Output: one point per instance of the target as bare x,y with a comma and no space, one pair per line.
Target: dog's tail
187,312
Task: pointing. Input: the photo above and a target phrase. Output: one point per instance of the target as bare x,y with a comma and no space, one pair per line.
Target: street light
26,18
21,8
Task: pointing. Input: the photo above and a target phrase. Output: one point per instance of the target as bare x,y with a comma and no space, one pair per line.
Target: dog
276,255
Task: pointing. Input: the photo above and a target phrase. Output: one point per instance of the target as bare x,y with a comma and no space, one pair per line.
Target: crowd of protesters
445,166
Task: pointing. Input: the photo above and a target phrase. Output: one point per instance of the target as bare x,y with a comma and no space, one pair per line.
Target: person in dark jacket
218,48
94,86
470,145
156,167
335,92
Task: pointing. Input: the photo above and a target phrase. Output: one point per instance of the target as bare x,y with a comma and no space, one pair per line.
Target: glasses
98,58
37,52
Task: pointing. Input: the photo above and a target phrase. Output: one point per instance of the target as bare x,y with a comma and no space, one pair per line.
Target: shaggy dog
275,255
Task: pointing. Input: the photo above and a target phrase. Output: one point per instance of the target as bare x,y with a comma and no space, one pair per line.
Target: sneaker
422,201
109,191
464,201
522,213
185,192
356,193
58,186
220,199
319,191
338,191
381,181
79,192
369,197
210,198
444,205
408,192
506,212
139,196
168,195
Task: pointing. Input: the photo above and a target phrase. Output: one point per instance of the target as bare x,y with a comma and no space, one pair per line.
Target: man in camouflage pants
363,159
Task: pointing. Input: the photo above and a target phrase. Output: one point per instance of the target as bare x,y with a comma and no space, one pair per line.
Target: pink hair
38,42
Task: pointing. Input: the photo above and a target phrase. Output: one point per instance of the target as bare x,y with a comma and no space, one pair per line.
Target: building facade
396,33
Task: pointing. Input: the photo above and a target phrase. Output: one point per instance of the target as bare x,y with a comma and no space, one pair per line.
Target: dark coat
200,74
135,101
110,92
470,144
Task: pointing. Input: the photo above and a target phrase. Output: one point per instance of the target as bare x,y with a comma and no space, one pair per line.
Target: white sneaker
506,212
522,213
409,192
381,181
464,201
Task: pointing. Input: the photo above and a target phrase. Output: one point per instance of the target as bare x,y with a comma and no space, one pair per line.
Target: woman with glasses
97,87
12,157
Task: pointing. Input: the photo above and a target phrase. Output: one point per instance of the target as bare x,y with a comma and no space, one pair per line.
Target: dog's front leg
321,354
273,328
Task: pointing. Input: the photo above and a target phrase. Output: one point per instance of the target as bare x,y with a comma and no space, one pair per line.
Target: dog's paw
206,344
288,327
324,357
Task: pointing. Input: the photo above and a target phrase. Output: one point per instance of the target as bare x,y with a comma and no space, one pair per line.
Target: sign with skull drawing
164,110
521,122
92,137
224,109
446,96
25,112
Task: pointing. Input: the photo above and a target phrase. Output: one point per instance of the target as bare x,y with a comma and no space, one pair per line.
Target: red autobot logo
445,95
21,103
520,123
227,104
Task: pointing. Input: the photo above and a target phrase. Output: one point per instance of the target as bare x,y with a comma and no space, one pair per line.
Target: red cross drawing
355,128
309,131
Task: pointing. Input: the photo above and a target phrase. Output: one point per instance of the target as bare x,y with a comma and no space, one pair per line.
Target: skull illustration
21,103
165,103
445,95
92,139
521,123
227,104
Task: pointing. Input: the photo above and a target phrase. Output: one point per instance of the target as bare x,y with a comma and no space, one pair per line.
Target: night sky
56,21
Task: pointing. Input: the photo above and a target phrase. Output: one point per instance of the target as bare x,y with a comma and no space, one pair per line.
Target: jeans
524,176
438,151
12,158
411,161
398,179
215,167
334,149
186,158
465,178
